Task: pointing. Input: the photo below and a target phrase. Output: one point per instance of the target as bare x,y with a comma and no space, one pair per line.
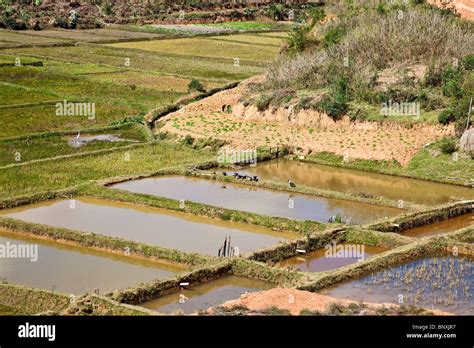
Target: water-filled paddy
443,282
326,259
206,295
357,181
256,200
148,225
440,227
75,270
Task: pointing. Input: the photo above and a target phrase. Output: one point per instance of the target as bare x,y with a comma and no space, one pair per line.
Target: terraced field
122,79
114,184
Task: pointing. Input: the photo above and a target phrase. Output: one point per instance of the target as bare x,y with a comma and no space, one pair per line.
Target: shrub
446,116
108,8
333,36
188,140
299,39
448,145
275,11
263,102
335,104
249,13
468,62
451,84
195,86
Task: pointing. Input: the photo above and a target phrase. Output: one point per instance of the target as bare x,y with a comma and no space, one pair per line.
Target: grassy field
34,148
59,174
249,25
122,79
63,36
204,47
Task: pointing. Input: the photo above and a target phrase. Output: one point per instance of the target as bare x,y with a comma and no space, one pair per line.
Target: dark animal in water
291,183
224,173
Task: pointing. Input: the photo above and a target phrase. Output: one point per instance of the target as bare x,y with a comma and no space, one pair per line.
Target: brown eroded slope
245,127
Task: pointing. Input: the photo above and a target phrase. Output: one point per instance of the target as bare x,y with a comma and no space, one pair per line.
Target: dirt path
247,128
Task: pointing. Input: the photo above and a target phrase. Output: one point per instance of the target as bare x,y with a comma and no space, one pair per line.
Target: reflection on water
148,225
444,226
256,200
320,261
76,270
206,295
350,180
443,282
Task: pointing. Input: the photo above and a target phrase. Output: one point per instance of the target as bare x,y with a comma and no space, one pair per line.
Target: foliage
448,145
196,86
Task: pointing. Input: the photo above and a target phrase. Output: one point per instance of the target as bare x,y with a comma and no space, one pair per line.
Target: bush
335,104
263,102
468,62
333,36
195,86
188,140
446,116
299,39
448,145
275,12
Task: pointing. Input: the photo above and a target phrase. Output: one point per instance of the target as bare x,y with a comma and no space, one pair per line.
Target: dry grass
374,42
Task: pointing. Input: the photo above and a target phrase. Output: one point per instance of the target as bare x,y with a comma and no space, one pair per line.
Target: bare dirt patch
465,8
297,300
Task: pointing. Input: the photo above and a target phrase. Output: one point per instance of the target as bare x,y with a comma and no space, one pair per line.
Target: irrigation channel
442,282
256,200
74,270
444,226
207,295
357,181
148,225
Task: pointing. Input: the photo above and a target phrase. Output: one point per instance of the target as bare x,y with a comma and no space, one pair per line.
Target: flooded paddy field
323,260
445,226
257,200
357,181
148,225
440,282
75,270
204,296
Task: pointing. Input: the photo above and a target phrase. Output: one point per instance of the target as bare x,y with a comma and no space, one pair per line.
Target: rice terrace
236,158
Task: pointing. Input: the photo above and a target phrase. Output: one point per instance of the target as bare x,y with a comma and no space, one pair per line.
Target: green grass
158,74
152,29
5,310
31,84
204,47
428,164
164,62
373,113
59,174
13,38
249,25
57,145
